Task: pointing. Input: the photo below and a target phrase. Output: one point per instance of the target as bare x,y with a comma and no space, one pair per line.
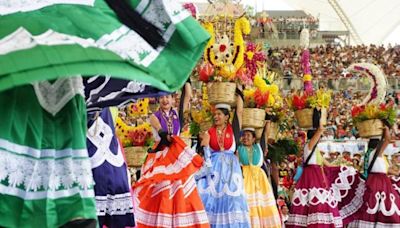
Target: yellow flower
271,101
274,89
249,92
307,77
250,55
260,83
371,111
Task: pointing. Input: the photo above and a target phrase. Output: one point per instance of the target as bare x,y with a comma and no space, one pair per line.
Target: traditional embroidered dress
220,183
313,203
166,193
114,201
381,206
85,37
45,173
260,197
169,121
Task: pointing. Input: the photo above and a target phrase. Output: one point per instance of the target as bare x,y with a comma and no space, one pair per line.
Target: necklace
169,120
221,138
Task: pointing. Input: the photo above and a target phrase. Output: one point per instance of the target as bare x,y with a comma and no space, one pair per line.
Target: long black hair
316,119
133,20
225,112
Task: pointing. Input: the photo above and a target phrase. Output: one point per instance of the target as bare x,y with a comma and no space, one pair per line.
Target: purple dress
114,201
169,121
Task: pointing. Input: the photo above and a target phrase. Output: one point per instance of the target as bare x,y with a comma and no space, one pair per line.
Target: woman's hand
205,139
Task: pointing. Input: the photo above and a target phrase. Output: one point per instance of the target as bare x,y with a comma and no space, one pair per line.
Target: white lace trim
101,135
30,178
212,182
171,220
313,196
53,97
260,200
184,159
380,205
15,6
356,202
120,204
340,188
229,217
315,218
124,42
366,224
174,186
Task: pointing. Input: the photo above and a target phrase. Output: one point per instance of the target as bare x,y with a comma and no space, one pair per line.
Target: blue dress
220,184
114,202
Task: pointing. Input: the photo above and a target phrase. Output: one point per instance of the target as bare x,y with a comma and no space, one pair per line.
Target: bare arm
386,141
155,123
188,96
266,130
314,140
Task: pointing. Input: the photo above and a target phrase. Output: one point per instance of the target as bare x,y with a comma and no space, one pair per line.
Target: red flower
299,102
260,98
356,110
206,70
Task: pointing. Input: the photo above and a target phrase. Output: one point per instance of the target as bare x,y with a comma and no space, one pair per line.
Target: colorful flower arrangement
262,95
139,108
373,111
224,54
201,115
254,59
318,99
140,135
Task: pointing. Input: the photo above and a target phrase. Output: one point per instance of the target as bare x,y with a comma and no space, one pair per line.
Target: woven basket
370,128
222,92
253,117
135,155
273,131
304,117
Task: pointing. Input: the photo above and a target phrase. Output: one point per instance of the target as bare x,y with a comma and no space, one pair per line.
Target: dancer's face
166,102
248,138
220,118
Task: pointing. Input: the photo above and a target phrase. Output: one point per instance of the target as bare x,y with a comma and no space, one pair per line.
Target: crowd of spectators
331,62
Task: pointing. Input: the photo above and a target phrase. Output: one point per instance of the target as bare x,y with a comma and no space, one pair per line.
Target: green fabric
25,122
168,71
244,157
16,213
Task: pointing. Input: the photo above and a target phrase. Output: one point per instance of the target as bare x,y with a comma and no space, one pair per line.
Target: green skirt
45,172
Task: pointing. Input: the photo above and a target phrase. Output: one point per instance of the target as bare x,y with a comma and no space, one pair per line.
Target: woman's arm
386,141
188,96
155,123
314,140
265,141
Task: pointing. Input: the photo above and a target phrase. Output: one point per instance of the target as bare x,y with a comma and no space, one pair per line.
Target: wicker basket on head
304,117
253,117
370,128
135,155
222,92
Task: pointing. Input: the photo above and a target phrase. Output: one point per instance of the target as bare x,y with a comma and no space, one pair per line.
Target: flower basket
135,155
273,131
370,128
304,117
222,92
253,117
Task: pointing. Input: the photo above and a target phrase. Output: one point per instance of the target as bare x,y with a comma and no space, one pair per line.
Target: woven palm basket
370,128
135,155
304,117
253,117
222,92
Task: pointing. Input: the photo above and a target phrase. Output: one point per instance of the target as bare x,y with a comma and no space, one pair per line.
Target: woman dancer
381,206
221,188
260,197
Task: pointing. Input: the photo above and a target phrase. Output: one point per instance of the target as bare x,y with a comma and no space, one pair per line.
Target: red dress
166,194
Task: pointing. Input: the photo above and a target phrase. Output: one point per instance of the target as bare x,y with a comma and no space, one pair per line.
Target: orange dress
166,193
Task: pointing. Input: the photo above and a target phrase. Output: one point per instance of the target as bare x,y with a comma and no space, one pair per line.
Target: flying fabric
44,40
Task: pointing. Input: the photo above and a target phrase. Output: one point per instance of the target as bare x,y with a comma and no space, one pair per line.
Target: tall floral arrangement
262,95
